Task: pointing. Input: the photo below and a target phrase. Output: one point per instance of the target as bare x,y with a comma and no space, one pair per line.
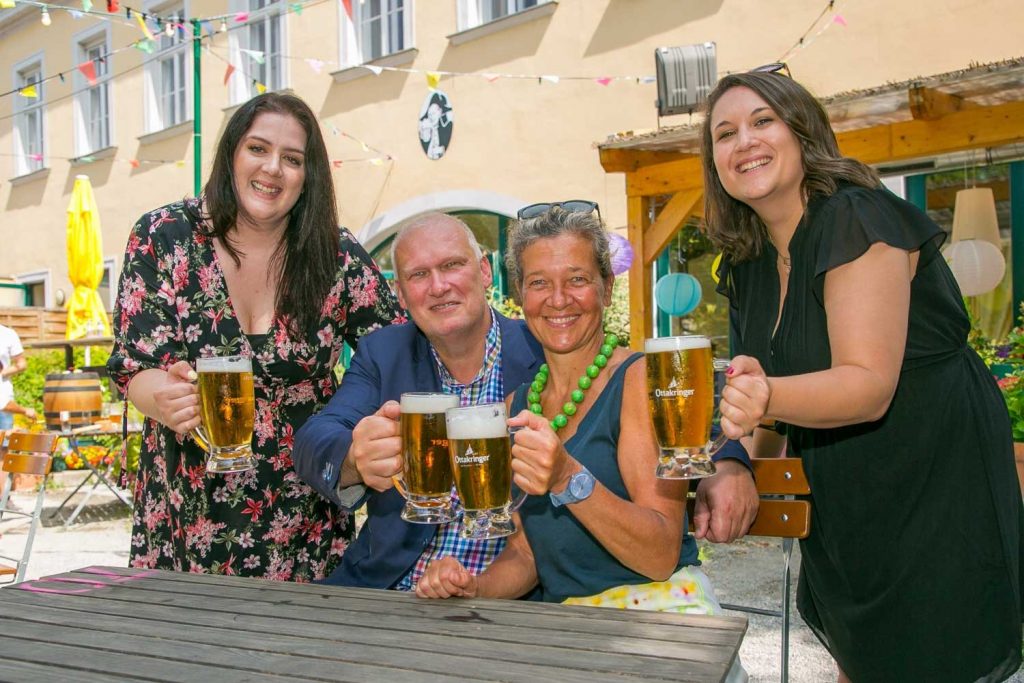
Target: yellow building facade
525,85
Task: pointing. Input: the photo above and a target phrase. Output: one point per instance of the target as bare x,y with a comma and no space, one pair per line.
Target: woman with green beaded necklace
598,527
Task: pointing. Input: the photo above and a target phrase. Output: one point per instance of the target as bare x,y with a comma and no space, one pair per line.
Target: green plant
28,385
1012,387
1005,358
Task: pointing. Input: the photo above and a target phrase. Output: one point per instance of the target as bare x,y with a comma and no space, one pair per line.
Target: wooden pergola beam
638,222
1002,124
973,128
928,104
669,220
665,178
618,160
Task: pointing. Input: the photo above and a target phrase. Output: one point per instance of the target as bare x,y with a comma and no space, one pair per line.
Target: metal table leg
100,477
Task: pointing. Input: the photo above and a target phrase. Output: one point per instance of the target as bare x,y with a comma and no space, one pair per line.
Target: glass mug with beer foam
481,458
681,396
426,478
227,411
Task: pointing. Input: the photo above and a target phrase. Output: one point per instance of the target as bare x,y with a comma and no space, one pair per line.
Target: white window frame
473,13
155,87
36,277
241,86
352,36
85,143
112,273
25,109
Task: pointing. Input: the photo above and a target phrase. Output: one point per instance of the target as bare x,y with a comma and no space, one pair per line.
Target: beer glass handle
717,444
517,501
399,483
200,438
720,365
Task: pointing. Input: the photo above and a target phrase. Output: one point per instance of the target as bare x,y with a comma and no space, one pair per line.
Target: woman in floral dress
256,267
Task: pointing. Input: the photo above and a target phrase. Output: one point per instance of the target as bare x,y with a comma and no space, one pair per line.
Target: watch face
576,486
581,485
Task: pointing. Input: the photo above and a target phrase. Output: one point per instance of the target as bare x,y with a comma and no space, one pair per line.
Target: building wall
515,141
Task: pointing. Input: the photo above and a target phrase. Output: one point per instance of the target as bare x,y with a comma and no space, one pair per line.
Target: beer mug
481,457
426,478
227,411
681,396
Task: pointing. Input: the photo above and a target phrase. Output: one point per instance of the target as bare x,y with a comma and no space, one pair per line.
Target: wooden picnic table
115,624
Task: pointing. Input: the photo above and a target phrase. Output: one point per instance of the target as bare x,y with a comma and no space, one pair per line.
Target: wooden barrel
76,392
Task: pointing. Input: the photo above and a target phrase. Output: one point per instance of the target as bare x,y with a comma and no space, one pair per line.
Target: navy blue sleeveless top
570,561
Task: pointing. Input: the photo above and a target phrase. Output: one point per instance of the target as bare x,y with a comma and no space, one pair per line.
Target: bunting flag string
803,42
378,160
114,8
88,70
142,25
433,78
144,44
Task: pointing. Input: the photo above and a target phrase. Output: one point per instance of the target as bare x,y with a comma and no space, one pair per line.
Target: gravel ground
748,572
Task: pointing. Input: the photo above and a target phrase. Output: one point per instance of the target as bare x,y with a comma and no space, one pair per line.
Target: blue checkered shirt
486,387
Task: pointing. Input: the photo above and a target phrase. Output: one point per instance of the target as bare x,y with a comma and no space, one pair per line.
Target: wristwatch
581,485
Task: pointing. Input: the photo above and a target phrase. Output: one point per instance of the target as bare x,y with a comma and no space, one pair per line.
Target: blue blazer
387,363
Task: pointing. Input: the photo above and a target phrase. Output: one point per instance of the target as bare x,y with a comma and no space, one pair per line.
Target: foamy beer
481,458
681,395
426,479
226,408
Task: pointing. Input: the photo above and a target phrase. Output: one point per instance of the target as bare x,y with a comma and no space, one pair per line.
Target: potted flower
1012,387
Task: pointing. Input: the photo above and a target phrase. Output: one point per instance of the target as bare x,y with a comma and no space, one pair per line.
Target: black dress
912,571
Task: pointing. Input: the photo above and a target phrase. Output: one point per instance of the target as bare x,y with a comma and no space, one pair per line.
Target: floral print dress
173,305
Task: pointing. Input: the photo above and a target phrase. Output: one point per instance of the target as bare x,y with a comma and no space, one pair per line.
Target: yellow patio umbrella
86,314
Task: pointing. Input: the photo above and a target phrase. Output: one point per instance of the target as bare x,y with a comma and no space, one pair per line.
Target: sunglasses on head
773,68
572,206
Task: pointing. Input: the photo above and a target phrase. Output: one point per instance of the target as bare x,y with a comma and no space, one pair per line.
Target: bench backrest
29,453
778,516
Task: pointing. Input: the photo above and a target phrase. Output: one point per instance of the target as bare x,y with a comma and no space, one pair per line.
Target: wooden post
639,219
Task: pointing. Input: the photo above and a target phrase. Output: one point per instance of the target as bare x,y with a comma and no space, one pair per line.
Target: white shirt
10,347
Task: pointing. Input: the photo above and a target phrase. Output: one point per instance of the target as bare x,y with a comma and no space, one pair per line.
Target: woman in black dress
851,331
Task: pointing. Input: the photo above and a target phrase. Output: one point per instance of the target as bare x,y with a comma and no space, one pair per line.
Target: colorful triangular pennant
88,70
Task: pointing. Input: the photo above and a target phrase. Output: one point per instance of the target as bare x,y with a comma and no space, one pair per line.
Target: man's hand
446,578
376,450
726,503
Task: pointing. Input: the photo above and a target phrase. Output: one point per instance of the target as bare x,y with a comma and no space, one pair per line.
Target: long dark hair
307,256
732,225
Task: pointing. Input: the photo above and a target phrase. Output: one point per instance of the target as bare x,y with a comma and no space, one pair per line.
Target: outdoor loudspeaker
686,76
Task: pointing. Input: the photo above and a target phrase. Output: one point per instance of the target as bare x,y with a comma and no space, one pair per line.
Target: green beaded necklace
569,409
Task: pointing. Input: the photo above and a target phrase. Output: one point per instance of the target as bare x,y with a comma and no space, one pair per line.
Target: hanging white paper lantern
974,216
977,265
